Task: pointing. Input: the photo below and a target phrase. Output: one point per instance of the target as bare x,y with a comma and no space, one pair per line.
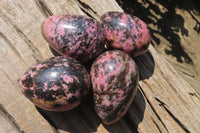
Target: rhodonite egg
56,84
77,36
125,32
114,77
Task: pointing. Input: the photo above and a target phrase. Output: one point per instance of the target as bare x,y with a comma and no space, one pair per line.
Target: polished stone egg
114,76
56,84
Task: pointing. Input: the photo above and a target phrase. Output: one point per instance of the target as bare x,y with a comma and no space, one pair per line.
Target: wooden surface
164,101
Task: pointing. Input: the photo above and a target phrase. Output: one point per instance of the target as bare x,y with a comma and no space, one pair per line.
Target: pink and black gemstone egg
56,84
125,32
77,36
114,77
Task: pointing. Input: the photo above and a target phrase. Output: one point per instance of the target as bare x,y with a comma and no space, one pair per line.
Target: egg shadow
54,52
81,119
146,65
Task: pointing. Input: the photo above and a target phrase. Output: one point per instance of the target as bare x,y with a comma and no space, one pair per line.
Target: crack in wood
87,13
154,110
173,116
86,9
11,119
161,103
194,94
45,10
85,6
156,125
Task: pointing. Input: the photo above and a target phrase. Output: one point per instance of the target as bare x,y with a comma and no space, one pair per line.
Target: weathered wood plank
164,102
168,97
18,50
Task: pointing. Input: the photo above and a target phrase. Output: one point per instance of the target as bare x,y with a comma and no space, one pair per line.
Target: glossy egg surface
77,36
126,32
114,77
56,84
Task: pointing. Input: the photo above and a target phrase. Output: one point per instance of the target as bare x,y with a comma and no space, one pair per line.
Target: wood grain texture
164,101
